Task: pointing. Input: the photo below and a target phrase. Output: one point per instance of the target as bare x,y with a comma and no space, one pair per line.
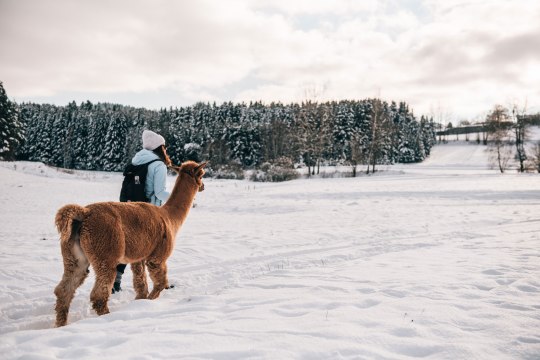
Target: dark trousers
121,267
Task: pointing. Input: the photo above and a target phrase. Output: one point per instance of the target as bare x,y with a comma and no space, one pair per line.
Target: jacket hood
143,156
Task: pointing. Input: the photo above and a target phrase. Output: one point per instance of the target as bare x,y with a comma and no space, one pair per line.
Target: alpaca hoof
100,307
61,318
103,312
60,323
153,295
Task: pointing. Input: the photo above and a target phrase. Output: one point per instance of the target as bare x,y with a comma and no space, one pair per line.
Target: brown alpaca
105,234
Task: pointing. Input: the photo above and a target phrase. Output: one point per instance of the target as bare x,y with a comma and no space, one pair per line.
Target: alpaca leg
105,275
75,272
158,274
139,280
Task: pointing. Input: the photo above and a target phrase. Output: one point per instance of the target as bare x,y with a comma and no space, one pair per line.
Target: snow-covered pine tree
11,129
97,133
405,139
58,146
359,144
244,140
396,117
114,156
82,128
276,133
343,130
312,129
175,148
428,134
45,146
71,135
27,114
135,126
36,126
217,151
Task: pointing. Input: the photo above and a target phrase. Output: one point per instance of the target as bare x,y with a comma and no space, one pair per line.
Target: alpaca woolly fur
105,234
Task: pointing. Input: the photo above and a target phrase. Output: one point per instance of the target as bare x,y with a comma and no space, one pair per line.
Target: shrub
231,171
280,170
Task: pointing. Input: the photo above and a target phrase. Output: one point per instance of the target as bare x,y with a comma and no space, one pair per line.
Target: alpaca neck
179,203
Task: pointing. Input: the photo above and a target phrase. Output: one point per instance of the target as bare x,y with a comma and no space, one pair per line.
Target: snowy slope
458,155
438,260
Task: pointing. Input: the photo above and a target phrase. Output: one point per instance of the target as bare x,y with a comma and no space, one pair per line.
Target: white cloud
466,55
301,7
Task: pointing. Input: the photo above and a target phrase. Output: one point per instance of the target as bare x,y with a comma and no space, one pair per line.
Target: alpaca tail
68,221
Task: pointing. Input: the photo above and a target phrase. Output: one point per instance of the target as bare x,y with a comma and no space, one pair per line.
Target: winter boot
119,272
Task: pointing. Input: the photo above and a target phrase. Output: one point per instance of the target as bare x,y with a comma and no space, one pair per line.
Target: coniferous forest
105,136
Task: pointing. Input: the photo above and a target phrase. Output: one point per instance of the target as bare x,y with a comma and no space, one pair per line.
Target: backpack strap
148,163
130,167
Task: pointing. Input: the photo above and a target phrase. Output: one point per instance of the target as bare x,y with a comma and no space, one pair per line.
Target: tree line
105,136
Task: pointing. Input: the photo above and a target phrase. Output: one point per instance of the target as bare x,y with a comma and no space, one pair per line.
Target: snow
439,260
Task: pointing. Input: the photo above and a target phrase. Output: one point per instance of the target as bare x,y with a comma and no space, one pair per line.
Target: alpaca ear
176,169
201,166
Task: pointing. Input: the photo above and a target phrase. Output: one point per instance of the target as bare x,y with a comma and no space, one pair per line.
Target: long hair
160,151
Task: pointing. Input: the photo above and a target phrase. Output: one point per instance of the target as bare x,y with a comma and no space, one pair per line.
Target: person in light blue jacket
156,179
154,149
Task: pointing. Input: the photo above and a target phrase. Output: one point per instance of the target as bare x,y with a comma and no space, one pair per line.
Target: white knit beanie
151,140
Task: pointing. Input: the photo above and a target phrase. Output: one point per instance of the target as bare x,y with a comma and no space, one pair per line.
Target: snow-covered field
439,260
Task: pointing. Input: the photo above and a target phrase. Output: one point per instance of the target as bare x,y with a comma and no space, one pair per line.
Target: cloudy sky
459,57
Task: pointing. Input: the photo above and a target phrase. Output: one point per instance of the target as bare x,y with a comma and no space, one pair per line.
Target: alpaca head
193,170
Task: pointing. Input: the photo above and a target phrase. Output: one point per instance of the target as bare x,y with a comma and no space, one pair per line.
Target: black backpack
134,183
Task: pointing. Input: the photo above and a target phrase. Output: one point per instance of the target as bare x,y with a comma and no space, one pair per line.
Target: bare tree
481,119
498,126
314,121
324,130
359,152
520,132
536,157
441,116
379,128
485,137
